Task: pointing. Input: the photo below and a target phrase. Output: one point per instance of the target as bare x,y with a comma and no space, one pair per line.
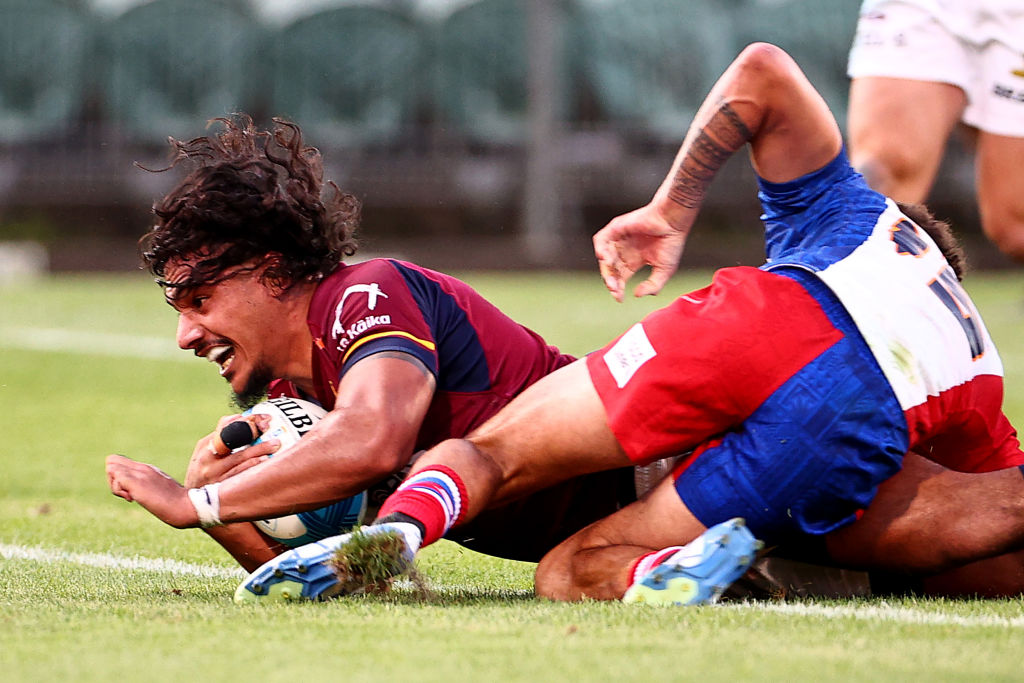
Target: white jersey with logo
921,326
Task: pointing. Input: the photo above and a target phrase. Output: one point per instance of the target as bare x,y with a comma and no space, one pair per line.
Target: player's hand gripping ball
290,419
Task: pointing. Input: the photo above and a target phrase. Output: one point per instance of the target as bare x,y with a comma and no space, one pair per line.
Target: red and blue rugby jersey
479,356
922,328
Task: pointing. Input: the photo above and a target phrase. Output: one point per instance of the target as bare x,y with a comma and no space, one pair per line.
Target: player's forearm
713,138
310,481
368,435
343,456
763,99
723,125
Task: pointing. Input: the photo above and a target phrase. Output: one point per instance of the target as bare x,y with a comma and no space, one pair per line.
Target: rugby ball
290,420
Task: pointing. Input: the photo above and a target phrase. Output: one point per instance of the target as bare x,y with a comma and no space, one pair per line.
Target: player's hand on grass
151,488
632,241
210,462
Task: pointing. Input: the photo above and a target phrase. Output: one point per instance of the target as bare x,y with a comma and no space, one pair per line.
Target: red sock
435,497
649,561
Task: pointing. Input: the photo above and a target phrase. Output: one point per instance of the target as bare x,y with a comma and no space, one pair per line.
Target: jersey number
945,285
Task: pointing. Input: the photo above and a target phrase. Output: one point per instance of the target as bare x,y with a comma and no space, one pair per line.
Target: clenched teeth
222,356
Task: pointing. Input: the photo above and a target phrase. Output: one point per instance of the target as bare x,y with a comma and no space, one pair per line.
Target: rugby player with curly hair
249,249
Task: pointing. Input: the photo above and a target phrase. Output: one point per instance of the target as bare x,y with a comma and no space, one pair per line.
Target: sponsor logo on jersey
628,354
373,293
346,337
1008,93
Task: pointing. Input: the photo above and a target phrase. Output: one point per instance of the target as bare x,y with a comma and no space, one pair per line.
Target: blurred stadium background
478,133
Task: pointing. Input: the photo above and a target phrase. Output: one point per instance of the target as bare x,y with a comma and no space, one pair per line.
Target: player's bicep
393,386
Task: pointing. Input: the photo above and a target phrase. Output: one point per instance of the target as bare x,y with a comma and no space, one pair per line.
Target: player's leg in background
996,577
597,561
1000,177
927,520
897,132
603,560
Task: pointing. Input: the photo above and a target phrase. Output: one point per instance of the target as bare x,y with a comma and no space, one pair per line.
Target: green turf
87,394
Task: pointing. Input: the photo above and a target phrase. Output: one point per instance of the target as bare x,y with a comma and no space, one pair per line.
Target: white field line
105,561
900,615
91,343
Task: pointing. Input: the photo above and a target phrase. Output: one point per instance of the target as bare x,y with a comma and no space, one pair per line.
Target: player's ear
274,275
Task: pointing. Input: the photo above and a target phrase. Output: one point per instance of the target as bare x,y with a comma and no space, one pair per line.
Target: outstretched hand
633,240
151,488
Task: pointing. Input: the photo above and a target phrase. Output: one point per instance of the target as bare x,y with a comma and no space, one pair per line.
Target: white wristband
206,501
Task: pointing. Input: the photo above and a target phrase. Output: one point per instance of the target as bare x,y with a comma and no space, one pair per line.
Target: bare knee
586,566
894,172
1000,201
567,572
1005,227
887,166
554,577
899,146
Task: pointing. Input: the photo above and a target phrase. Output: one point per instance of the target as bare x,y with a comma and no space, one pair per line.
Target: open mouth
222,356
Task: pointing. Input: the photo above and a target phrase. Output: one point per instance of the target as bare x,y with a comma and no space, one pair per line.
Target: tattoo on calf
724,133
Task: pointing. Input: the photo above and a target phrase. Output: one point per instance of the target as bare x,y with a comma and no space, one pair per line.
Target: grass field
93,588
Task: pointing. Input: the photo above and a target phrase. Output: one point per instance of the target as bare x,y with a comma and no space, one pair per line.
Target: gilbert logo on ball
290,420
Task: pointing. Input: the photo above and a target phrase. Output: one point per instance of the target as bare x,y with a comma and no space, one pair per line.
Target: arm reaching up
762,99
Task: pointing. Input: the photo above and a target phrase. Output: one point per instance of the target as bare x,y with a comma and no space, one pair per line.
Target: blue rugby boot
300,574
700,572
309,573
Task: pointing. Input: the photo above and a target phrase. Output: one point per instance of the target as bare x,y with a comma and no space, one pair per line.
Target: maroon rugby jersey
481,359
479,356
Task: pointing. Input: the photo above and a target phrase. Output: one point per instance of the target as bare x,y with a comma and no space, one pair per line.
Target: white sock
409,532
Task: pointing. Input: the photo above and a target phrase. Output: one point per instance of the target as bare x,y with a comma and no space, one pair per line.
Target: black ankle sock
401,517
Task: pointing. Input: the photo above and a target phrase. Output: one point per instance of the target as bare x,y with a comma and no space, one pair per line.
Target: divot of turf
369,563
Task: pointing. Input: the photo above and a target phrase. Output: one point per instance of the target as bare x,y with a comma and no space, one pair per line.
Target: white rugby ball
290,419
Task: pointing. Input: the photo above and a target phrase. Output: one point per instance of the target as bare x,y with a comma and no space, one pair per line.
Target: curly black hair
252,194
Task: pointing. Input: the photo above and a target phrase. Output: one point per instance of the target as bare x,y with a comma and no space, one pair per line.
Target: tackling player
800,386
249,249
